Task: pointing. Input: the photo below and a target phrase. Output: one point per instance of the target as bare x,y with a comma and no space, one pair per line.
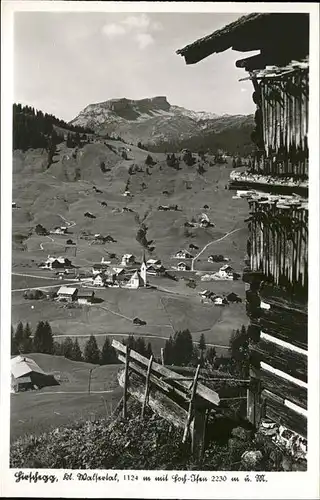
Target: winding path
211,243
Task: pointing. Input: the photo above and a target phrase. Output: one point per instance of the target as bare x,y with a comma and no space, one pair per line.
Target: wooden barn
26,374
276,186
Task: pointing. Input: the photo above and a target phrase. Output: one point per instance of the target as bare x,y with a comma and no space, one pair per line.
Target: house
155,270
218,300
67,294
233,297
100,267
183,254
14,205
127,259
99,280
182,266
26,374
57,262
60,230
206,296
226,271
153,262
85,296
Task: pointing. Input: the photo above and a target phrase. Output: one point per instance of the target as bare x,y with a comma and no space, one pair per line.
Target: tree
168,353
91,351
57,349
43,339
183,347
67,348
38,337
27,340
239,347
149,160
202,348
76,351
108,353
211,355
14,347
19,336
149,352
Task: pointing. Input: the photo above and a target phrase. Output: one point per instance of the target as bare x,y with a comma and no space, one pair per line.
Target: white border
279,485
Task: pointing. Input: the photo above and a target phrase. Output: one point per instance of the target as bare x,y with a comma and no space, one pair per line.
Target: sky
64,61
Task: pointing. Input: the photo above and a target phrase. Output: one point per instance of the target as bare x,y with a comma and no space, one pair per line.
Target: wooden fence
179,398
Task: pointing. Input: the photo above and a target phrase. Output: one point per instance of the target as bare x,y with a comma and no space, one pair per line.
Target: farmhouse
26,374
68,294
182,266
57,262
226,271
278,335
155,270
183,254
206,296
100,267
100,279
153,262
127,259
60,230
14,205
85,296
233,297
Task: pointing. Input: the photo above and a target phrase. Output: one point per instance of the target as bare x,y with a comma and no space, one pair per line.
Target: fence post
191,404
162,356
125,385
146,393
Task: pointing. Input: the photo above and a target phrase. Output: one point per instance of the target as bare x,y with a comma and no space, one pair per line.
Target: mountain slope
155,122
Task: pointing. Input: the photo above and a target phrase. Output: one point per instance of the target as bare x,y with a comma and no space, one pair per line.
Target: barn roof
65,290
21,366
256,31
85,293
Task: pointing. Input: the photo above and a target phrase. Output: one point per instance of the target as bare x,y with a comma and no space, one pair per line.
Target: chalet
26,375
183,254
100,267
277,273
60,230
14,205
127,259
155,270
206,294
226,271
182,266
85,296
217,300
57,262
67,294
153,262
100,280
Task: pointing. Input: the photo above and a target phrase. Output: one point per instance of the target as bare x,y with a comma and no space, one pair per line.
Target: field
39,411
61,195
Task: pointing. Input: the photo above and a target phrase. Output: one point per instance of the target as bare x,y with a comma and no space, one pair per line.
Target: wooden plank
146,388
291,334
159,383
191,404
202,391
125,384
276,410
282,387
283,359
158,402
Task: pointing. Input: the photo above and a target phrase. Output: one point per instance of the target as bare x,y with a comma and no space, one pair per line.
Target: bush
33,295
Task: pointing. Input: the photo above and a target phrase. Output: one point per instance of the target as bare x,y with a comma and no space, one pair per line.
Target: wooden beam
202,391
292,335
282,387
191,404
146,394
286,360
158,402
125,384
276,410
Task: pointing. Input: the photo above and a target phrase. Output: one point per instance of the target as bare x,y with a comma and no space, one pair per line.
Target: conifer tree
14,347
38,340
76,351
48,339
19,336
91,351
67,348
27,340
108,353
202,348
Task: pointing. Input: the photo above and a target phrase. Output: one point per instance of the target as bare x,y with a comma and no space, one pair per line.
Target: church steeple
143,269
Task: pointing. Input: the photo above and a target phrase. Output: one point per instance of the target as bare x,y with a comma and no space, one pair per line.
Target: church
139,278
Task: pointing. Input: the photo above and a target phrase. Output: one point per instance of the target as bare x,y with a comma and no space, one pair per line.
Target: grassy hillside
75,184
49,407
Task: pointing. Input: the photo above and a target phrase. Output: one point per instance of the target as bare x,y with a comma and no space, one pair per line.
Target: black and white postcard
159,250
